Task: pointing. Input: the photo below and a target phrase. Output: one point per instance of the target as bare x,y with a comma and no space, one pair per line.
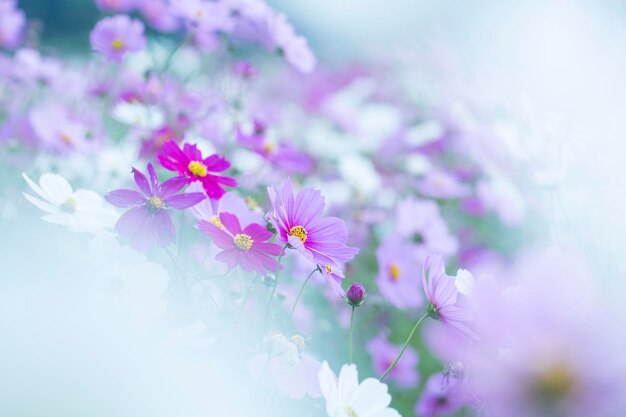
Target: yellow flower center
197,168
243,242
394,271
268,147
298,341
299,232
117,44
67,139
555,382
328,269
69,205
215,220
155,203
251,202
350,411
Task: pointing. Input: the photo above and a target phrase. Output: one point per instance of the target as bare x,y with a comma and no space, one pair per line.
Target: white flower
81,211
138,115
465,282
345,397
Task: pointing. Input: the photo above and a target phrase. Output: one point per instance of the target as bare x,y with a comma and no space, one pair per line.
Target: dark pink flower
247,247
148,219
190,163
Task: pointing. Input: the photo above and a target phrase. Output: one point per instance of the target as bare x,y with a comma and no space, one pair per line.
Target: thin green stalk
295,303
406,344
351,327
271,299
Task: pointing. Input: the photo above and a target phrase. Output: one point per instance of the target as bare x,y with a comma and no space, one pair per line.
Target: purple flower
114,36
398,272
299,222
440,184
441,292
12,22
420,222
289,44
148,219
356,294
282,155
247,247
158,15
441,396
383,353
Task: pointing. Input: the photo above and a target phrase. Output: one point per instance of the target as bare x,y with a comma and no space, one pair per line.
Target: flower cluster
303,216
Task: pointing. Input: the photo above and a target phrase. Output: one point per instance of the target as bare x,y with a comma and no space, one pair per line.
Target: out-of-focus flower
138,115
190,163
287,43
383,353
148,219
282,155
12,22
80,210
60,131
441,292
420,222
356,294
117,6
441,396
345,397
292,370
158,15
440,184
115,36
247,247
398,272
299,222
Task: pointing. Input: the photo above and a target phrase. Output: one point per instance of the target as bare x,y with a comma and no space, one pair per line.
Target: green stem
295,303
406,344
269,302
351,327
245,300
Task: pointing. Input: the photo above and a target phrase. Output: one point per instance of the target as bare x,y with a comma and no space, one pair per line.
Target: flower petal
183,201
124,198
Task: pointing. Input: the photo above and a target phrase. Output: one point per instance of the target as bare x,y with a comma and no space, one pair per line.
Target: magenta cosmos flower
189,162
148,218
300,224
247,247
441,291
114,36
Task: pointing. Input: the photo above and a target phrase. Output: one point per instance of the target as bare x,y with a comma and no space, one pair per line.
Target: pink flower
190,163
383,353
289,44
148,218
114,36
441,291
246,247
117,6
299,222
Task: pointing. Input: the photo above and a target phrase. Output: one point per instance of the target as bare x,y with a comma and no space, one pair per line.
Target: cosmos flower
289,44
149,219
190,163
441,292
115,36
299,222
398,272
158,15
345,397
441,184
12,21
420,221
247,247
383,353
441,397
282,155
60,131
80,210
209,209
290,368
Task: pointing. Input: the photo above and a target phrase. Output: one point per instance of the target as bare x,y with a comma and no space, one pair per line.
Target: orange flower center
299,232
